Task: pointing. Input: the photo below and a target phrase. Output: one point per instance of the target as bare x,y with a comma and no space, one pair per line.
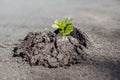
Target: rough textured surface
52,50
99,19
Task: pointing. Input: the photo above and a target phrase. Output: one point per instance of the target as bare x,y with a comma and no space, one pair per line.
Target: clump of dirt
52,50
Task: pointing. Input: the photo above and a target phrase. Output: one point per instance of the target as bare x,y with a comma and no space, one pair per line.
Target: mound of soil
51,49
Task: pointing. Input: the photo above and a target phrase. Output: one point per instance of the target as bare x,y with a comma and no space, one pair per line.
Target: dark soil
52,50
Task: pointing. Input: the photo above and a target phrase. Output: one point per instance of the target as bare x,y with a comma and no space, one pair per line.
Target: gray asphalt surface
99,19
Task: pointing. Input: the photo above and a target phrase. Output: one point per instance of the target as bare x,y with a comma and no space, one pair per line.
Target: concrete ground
99,19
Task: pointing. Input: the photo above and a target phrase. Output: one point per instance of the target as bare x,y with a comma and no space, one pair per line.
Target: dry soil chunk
50,49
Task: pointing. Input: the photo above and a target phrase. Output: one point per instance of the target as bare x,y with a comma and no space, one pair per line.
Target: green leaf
55,26
56,21
61,24
68,29
61,32
65,27
68,20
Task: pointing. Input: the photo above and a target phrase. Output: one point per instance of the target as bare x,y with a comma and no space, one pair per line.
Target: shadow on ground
116,33
111,65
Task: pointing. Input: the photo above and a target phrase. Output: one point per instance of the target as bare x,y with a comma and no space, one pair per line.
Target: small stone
53,62
60,56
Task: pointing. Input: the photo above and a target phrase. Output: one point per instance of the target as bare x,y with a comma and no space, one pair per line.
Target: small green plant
64,27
